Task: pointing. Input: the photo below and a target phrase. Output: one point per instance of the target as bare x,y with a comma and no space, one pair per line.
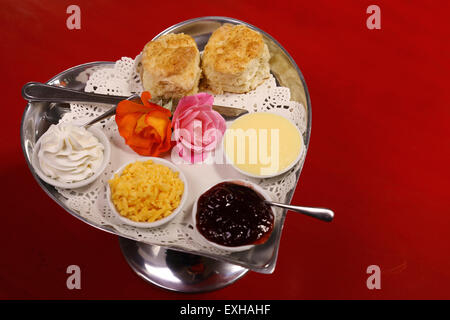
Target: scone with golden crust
171,66
235,59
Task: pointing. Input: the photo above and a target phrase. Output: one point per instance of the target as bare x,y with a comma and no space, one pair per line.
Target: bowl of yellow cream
262,144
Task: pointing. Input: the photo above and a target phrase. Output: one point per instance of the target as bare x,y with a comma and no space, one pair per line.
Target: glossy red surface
379,153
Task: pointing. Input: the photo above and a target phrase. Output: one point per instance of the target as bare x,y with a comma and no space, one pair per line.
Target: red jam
232,214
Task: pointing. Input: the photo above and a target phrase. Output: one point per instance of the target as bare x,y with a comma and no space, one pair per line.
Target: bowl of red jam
233,216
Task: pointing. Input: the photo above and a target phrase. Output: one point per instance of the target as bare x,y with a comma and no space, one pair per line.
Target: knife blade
228,113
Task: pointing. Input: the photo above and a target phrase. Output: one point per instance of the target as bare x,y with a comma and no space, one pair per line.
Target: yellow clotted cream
262,144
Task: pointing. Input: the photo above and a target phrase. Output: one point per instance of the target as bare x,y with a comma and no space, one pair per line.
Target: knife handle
35,91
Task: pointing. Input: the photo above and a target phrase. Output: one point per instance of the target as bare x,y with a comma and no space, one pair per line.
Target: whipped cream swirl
69,153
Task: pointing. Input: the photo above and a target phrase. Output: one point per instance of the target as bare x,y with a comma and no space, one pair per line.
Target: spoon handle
35,91
103,116
318,213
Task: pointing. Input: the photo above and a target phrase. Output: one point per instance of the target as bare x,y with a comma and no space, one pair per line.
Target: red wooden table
379,152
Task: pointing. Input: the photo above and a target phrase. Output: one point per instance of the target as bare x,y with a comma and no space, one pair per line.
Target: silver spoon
318,213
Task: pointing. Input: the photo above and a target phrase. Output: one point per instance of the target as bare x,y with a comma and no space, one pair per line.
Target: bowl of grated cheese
147,192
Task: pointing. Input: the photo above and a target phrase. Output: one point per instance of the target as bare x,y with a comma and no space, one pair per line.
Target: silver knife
35,91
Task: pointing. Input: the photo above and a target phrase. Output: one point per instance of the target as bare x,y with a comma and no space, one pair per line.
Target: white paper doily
123,79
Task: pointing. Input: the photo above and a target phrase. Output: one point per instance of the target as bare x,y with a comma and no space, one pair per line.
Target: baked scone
235,59
171,66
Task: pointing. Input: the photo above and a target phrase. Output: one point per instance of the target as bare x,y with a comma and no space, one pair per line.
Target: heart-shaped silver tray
142,257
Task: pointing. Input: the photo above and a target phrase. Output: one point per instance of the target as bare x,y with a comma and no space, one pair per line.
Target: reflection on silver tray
38,116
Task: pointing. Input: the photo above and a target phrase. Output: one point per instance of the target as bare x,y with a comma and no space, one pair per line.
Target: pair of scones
235,59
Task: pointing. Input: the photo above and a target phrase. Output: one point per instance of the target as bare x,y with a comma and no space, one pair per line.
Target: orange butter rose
145,127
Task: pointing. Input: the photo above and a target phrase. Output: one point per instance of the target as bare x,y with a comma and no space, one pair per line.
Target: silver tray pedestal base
176,270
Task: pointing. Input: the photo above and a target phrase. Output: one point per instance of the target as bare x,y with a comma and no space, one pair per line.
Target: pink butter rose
197,127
